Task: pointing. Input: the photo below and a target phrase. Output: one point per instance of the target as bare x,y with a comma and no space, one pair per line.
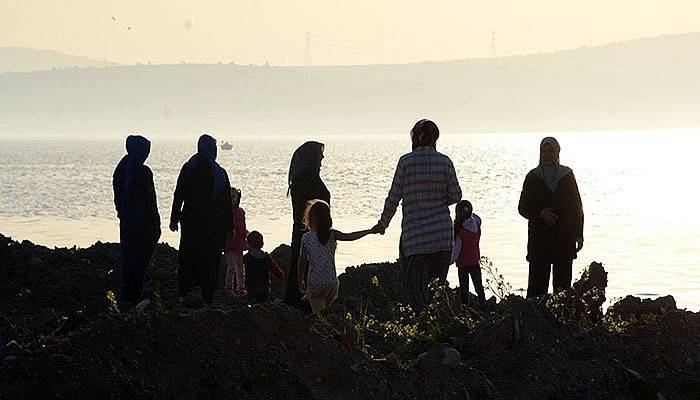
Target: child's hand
379,228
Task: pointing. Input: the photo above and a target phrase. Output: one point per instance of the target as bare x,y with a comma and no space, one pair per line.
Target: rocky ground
63,335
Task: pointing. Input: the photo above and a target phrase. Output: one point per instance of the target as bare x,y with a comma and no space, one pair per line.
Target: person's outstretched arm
349,237
393,198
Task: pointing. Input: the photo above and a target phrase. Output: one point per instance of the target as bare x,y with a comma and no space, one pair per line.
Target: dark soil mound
62,336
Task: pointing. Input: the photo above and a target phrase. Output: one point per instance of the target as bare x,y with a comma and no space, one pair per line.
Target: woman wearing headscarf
551,202
426,183
305,184
139,221
202,207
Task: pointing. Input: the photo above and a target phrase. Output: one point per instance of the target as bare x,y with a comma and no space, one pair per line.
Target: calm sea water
638,191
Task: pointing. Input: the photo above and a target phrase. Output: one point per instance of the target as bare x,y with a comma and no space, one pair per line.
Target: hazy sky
342,32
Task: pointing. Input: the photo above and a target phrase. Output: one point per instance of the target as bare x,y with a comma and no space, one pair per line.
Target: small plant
113,306
494,280
158,301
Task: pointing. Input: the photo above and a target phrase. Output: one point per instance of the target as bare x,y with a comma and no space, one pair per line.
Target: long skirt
138,242
199,256
417,272
292,295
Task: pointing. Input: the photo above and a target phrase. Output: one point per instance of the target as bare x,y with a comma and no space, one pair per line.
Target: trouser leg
463,275
538,279
230,270
415,278
475,273
318,303
240,274
561,275
440,265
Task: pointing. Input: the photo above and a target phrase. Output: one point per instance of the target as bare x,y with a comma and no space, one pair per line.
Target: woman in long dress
305,184
202,207
551,202
139,221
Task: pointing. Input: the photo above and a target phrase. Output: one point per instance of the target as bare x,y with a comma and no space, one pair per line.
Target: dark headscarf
137,150
551,174
206,149
306,162
424,133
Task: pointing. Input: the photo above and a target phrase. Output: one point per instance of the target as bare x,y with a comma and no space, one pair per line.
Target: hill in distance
20,59
647,83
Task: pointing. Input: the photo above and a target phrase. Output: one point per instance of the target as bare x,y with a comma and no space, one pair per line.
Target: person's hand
302,287
548,215
579,244
379,228
173,226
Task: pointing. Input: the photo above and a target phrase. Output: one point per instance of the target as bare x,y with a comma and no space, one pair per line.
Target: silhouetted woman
139,222
305,184
202,206
551,202
425,182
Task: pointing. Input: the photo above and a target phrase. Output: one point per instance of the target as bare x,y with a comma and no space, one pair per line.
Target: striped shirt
426,183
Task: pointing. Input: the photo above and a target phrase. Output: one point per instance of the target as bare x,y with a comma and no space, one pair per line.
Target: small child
258,266
318,247
233,250
466,253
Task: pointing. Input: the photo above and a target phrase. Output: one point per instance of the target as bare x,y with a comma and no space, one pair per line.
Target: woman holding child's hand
305,184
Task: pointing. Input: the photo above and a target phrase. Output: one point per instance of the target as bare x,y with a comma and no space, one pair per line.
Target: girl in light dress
317,255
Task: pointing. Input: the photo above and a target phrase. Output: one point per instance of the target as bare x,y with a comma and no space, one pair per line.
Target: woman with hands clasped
551,203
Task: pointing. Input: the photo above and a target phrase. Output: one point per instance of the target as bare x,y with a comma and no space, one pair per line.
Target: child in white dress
318,247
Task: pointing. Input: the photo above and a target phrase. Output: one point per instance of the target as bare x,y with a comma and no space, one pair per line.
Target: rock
439,355
451,357
140,308
634,306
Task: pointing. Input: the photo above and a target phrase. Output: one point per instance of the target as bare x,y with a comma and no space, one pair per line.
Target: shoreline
87,231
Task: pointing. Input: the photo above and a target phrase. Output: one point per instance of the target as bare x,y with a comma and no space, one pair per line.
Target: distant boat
226,146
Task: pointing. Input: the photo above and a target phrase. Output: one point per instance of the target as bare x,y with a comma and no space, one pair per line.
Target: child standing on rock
317,255
233,251
258,266
466,253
